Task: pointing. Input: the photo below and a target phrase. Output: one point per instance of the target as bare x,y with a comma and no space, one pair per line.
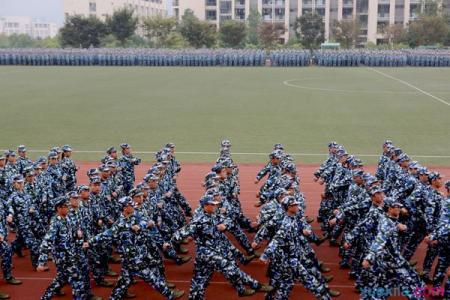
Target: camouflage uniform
127,163
23,211
287,250
5,248
393,267
442,234
137,256
69,171
212,255
60,239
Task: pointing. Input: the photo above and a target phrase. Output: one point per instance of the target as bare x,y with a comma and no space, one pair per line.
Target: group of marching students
381,220
376,221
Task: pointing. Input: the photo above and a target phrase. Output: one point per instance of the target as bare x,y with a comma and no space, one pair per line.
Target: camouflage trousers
182,202
150,274
430,256
416,236
73,274
385,279
240,236
98,262
26,237
206,265
443,261
283,276
6,255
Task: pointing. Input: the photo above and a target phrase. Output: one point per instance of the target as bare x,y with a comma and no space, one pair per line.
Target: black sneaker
247,293
264,288
129,295
177,294
334,293
182,260
13,281
105,283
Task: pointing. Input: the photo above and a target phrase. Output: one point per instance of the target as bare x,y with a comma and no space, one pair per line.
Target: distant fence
224,57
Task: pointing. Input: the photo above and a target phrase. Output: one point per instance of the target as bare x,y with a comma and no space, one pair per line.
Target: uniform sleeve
379,244
107,235
430,212
186,231
278,241
47,243
322,168
263,171
443,228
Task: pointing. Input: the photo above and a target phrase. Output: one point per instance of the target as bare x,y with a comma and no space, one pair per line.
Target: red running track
189,183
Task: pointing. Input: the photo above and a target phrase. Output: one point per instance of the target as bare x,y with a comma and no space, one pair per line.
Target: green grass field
304,108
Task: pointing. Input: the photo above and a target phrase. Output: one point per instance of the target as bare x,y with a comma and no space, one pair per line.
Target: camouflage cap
391,202
66,148
278,147
205,200
125,202
111,150
289,201
136,192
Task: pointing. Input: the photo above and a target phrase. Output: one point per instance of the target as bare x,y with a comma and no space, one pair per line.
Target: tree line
124,29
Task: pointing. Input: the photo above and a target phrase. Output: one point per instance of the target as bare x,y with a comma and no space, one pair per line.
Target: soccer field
304,108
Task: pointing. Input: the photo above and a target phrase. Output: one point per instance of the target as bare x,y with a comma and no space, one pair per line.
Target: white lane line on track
174,281
238,153
410,85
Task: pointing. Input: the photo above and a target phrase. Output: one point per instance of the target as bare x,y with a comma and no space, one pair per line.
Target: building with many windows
103,8
373,16
26,25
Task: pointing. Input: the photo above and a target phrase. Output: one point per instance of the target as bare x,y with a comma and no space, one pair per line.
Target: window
211,15
92,7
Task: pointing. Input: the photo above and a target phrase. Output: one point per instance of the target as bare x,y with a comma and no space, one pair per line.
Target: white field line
290,84
236,153
411,86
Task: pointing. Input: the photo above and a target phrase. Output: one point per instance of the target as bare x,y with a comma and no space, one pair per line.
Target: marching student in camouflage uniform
136,252
357,203
230,210
62,241
23,161
432,214
111,155
418,203
5,249
384,160
212,255
440,237
274,172
69,169
127,163
287,247
174,168
324,176
55,176
31,190
11,169
361,238
138,194
76,222
394,270
95,223
22,209
43,191
4,192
